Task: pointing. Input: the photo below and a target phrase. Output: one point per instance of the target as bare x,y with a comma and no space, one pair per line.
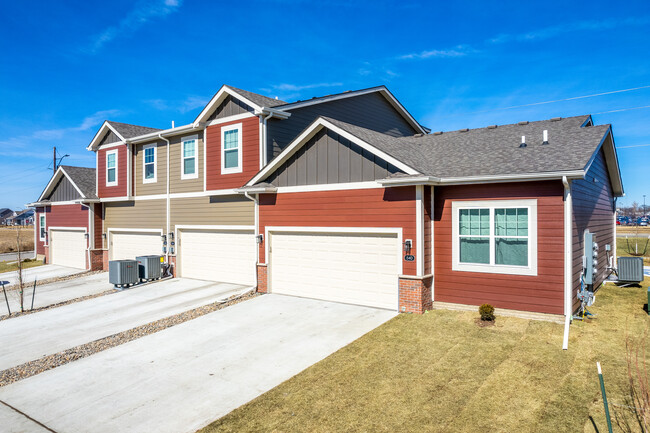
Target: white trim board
117,159
240,132
153,146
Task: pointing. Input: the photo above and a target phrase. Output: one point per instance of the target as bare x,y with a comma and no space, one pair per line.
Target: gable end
109,138
230,107
64,191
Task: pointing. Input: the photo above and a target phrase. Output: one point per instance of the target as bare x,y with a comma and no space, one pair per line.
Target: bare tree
21,284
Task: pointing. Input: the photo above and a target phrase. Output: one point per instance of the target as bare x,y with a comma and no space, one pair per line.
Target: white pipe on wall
568,259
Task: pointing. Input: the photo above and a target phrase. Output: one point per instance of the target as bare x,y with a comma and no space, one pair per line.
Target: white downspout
265,141
257,217
568,259
168,201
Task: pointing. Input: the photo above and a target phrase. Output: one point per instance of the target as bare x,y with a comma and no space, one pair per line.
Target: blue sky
67,66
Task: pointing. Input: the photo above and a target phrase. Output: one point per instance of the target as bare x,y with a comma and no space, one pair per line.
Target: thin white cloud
457,51
286,87
143,12
192,103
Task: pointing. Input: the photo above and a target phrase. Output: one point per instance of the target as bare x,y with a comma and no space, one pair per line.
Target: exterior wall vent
463,130
492,127
523,122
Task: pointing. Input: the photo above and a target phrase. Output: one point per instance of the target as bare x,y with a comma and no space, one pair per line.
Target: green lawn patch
440,372
625,248
12,265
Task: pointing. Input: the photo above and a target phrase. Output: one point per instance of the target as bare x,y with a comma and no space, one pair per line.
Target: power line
623,109
636,145
566,99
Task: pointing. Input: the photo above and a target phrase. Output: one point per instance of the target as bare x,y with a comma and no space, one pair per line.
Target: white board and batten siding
348,267
68,247
129,244
227,254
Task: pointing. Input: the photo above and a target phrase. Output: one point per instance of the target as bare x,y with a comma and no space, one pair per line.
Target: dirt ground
8,239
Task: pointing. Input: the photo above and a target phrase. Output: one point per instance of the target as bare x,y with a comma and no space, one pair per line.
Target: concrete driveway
180,379
41,273
54,293
46,332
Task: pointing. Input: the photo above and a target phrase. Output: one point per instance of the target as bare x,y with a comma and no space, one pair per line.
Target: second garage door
129,245
343,267
68,248
218,255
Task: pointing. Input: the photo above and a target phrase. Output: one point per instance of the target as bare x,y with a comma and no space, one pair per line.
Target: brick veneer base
415,294
46,250
262,281
98,260
172,261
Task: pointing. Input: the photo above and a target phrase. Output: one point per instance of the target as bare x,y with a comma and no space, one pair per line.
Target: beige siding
178,185
221,210
158,187
141,214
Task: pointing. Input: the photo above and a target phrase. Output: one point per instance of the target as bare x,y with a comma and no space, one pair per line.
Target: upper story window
189,167
149,169
41,227
496,236
231,149
111,168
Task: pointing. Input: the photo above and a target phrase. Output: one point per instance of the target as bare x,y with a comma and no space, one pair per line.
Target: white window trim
530,270
153,146
42,234
112,152
194,175
239,168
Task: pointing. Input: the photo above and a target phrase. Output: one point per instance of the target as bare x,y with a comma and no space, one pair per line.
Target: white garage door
343,267
68,248
129,245
218,255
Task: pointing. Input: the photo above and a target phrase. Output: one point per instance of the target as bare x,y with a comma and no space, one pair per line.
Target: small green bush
487,312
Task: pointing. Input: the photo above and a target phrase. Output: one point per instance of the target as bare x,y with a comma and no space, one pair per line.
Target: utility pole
644,212
54,161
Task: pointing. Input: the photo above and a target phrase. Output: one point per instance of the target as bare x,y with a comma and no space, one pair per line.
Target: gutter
525,177
256,190
568,257
167,247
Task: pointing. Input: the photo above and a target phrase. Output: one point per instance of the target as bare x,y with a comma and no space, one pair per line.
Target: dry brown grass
8,238
439,372
633,230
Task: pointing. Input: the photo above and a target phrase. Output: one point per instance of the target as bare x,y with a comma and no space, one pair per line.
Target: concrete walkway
54,293
44,272
181,379
33,336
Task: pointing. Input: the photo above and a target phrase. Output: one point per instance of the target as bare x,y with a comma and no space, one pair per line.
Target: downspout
91,220
568,258
168,202
265,140
257,230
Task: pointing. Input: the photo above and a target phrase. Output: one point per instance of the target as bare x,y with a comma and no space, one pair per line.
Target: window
231,149
41,227
149,169
497,236
111,168
188,158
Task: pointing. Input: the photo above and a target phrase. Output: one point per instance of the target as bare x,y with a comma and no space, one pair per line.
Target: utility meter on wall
590,258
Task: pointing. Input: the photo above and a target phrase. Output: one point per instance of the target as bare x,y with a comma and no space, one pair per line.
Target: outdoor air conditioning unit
630,269
122,272
149,267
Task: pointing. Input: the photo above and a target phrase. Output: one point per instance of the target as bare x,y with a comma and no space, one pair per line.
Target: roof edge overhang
611,159
310,132
256,189
221,95
520,177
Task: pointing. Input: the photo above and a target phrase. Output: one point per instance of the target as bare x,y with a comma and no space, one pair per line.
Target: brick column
415,294
46,249
262,279
172,261
98,260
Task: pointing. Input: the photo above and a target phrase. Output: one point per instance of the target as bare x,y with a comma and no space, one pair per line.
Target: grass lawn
440,372
634,230
623,248
8,238
13,266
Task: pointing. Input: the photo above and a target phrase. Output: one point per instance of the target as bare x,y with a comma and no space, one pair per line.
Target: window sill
145,181
231,170
189,176
495,269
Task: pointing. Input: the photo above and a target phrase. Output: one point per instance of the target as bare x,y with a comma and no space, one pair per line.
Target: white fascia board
308,133
408,181
274,112
216,99
164,133
54,179
526,177
254,190
610,153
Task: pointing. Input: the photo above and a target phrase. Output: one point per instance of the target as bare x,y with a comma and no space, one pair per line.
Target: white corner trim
154,179
117,159
433,246
194,175
240,132
568,248
419,229
42,234
530,270
205,158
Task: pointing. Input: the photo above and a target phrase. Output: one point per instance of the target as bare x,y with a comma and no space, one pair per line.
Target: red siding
393,207
120,189
542,293
250,155
72,215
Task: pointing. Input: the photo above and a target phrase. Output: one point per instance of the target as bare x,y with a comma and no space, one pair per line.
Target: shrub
487,312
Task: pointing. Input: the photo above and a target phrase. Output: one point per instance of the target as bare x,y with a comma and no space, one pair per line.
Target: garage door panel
351,268
129,245
68,248
218,255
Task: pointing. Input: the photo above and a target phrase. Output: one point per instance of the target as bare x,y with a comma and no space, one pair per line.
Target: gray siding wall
371,111
230,107
64,191
110,137
329,158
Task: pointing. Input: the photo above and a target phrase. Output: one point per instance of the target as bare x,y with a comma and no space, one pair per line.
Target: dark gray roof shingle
492,151
261,100
128,131
83,177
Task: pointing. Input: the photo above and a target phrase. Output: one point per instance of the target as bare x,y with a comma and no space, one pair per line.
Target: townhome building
348,198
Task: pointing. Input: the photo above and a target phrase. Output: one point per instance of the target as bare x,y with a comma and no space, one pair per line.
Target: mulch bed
49,362
484,323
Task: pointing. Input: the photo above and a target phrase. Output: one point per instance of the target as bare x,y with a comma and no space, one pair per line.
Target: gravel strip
49,362
59,304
